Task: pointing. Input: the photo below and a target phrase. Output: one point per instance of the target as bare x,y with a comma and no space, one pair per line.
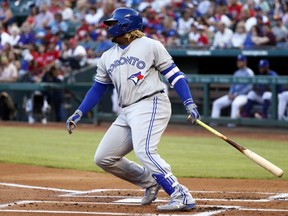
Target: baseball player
282,105
261,93
134,65
236,96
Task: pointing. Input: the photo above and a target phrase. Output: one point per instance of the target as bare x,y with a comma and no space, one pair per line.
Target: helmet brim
110,22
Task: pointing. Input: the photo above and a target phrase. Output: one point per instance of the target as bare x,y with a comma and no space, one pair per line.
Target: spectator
223,36
4,36
34,11
234,9
67,11
76,55
43,20
266,39
252,21
93,16
261,93
193,35
282,106
59,25
14,32
280,31
237,95
184,26
203,40
8,71
80,9
239,36
6,15
27,37
220,16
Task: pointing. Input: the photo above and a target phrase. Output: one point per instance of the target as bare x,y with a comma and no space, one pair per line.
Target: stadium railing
204,88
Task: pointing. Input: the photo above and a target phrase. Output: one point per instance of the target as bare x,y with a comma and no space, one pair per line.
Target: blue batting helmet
123,20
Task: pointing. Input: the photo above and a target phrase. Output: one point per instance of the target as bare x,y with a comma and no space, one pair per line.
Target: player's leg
236,105
110,153
252,99
148,120
219,104
282,105
267,96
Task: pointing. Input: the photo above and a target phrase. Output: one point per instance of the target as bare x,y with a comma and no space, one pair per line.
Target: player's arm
92,97
179,82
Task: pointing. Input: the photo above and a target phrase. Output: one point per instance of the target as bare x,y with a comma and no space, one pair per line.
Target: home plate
135,200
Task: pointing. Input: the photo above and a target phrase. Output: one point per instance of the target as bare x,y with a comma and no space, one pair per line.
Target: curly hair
130,36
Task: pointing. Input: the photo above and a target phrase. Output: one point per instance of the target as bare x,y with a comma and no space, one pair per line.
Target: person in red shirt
203,40
234,8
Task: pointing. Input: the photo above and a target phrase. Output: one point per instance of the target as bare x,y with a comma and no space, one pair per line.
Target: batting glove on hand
73,120
193,113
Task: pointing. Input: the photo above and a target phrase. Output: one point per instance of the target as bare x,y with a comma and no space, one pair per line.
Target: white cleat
150,194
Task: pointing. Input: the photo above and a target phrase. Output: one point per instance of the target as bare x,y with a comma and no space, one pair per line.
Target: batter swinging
133,65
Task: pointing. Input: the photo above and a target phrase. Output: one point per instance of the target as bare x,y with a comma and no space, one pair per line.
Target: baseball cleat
181,200
150,194
175,205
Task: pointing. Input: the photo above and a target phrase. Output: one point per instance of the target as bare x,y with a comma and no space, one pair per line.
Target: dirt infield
29,190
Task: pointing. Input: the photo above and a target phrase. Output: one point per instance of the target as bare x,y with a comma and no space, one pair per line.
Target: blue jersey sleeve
93,96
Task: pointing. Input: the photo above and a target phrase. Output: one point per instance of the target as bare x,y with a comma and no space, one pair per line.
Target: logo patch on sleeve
136,77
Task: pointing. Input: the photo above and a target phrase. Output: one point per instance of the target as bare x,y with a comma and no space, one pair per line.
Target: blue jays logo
136,77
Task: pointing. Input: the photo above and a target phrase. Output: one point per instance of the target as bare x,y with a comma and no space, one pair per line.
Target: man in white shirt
223,36
77,54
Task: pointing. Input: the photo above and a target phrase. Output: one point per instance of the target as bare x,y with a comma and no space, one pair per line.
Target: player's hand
193,113
73,120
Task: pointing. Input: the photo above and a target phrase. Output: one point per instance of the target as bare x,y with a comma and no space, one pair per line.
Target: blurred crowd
44,40
69,34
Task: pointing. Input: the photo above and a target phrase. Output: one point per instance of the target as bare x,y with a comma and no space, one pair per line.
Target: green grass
188,156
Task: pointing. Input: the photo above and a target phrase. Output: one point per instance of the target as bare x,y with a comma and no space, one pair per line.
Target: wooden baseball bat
250,154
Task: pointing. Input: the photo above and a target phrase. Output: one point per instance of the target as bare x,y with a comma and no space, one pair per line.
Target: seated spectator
203,40
261,93
282,106
93,16
76,55
184,26
27,37
267,38
254,19
42,20
8,71
34,11
223,36
59,25
248,42
4,36
234,9
67,11
239,36
193,35
280,31
14,32
6,15
220,16
237,95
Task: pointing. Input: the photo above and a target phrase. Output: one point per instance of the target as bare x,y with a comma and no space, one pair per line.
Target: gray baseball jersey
135,73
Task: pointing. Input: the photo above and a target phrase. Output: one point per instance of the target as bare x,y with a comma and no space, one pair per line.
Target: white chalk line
38,188
223,208
77,193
